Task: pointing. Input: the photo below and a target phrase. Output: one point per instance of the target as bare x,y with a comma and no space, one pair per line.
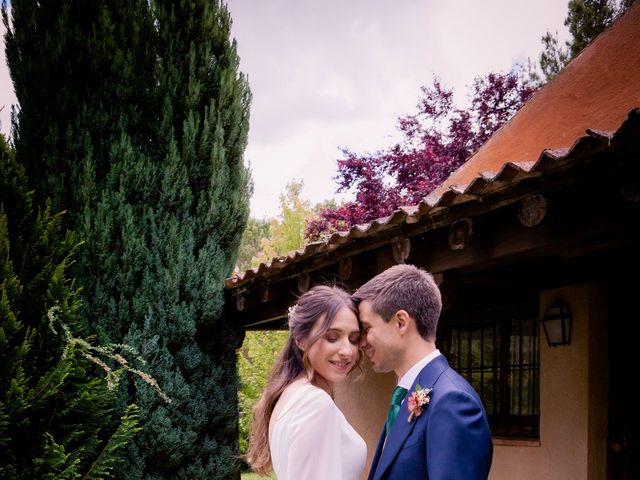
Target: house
542,223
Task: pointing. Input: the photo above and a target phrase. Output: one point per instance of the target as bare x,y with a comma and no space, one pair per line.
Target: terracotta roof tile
593,93
510,172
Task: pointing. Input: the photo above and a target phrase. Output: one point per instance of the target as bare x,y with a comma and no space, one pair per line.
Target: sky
332,74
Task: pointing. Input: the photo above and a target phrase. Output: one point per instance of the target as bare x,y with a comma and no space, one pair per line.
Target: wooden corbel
344,268
532,210
401,250
264,293
239,303
303,283
460,234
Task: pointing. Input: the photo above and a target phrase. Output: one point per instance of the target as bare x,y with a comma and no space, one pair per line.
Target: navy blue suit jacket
450,440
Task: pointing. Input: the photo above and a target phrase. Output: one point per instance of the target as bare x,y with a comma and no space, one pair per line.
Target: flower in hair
292,310
418,400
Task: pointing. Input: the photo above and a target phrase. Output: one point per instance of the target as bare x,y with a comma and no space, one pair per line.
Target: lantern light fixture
557,323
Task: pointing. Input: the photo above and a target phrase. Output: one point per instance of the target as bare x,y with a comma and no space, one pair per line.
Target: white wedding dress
311,439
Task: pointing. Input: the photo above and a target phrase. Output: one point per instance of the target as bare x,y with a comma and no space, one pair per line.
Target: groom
437,427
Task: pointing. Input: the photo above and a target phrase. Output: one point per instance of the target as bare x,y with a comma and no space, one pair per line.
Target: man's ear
403,320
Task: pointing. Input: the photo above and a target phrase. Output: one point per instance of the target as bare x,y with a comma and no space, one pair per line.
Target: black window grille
496,350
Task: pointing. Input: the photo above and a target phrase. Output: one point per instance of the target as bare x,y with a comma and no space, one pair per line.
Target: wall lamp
557,323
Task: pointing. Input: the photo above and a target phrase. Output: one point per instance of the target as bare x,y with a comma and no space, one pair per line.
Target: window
496,349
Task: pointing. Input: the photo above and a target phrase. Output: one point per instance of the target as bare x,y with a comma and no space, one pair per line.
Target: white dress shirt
408,378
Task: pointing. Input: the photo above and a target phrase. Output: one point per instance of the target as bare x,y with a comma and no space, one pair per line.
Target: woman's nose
346,348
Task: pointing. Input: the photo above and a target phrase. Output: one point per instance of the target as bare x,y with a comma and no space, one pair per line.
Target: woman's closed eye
354,338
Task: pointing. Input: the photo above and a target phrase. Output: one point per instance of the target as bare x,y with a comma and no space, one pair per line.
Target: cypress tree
55,416
148,156
80,72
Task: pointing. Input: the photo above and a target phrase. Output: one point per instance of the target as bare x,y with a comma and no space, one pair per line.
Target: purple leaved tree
434,142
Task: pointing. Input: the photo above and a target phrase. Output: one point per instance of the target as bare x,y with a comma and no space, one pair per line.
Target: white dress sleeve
315,451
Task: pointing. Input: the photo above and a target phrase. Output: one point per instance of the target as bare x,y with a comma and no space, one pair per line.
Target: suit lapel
402,427
376,456
399,432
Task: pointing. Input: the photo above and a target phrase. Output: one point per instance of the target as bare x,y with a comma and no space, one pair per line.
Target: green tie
394,408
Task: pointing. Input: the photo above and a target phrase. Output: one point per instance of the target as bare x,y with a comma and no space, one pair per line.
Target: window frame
503,324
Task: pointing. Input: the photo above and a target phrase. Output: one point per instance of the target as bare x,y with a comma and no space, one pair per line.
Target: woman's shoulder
303,394
303,389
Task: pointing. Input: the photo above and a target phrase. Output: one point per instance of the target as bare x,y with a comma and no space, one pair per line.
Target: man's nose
362,343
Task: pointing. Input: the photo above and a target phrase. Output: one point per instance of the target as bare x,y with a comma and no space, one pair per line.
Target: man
441,429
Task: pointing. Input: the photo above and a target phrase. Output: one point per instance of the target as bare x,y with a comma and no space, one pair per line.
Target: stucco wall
364,400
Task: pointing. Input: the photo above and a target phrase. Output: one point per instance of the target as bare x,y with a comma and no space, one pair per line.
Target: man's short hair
405,287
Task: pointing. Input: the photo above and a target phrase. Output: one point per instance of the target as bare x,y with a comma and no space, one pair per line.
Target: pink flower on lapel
418,399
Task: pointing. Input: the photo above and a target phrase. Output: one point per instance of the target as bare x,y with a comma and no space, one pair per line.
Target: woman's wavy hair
319,301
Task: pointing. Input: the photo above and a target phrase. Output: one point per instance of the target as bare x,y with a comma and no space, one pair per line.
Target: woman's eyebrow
339,330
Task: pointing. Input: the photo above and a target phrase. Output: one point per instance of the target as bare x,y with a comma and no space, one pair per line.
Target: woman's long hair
292,363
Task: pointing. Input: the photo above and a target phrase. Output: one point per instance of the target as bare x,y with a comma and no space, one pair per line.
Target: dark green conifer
142,138
55,417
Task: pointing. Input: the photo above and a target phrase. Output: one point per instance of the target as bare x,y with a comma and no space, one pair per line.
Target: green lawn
254,476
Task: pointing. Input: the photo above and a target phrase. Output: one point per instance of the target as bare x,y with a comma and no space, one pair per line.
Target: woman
297,430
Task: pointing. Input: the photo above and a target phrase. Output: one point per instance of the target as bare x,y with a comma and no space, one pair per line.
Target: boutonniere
418,399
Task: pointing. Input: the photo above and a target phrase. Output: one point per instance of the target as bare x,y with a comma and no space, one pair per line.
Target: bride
297,430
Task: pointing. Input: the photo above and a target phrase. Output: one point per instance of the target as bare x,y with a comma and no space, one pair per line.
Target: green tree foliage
55,415
134,116
553,57
286,232
264,239
586,19
251,244
255,361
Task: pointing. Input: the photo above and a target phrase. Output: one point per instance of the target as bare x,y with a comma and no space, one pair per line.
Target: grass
254,476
